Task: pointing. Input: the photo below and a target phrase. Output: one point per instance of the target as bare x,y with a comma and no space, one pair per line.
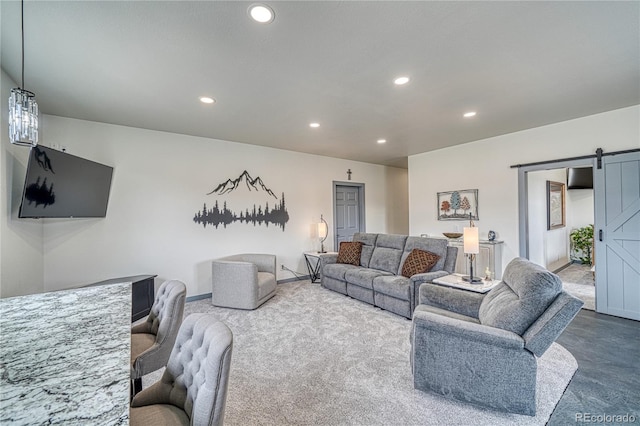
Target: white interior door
617,235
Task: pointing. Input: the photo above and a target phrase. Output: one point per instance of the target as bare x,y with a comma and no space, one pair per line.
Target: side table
312,259
456,281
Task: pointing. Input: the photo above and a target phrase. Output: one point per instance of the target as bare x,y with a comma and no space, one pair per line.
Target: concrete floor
607,382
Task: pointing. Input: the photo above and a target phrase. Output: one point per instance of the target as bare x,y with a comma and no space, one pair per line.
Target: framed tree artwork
555,205
458,205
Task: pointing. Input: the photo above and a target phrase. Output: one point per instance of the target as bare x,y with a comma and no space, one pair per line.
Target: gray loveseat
482,348
378,280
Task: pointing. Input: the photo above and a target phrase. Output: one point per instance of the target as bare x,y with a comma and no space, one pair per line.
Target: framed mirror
555,205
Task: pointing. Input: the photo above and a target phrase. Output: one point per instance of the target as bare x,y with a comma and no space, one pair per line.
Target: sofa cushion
391,241
368,243
434,245
521,298
363,277
388,252
394,286
418,262
451,299
349,253
444,312
337,270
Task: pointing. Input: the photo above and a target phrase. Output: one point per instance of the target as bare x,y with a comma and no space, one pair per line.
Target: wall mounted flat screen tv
580,178
61,185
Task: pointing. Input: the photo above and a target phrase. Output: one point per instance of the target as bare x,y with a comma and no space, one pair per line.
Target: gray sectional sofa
378,280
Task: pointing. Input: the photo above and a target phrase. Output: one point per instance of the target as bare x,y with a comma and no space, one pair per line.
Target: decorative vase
491,235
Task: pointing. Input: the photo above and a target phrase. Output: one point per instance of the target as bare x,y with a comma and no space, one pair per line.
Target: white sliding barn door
617,235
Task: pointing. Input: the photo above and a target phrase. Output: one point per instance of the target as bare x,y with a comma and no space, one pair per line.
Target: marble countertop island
65,357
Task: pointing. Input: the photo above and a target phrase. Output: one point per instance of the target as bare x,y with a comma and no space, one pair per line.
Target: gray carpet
577,280
310,356
586,293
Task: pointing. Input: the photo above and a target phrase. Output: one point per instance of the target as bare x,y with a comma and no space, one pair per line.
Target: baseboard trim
290,280
562,268
198,297
208,295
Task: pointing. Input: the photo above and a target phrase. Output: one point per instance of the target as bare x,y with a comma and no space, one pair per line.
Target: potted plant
582,244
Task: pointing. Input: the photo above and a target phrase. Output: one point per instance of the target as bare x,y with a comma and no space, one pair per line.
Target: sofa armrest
427,277
496,337
417,280
264,262
242,275
546,329
327,258
451,299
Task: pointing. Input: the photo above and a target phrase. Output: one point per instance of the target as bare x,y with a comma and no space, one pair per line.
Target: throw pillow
349,252
418,262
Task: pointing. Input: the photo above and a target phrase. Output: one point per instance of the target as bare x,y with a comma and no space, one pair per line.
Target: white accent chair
193,388
243,281
152,340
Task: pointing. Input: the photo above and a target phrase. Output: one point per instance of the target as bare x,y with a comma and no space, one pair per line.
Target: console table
64,357
490,256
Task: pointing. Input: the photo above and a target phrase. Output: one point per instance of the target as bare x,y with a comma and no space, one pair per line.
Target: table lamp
323,231
471,248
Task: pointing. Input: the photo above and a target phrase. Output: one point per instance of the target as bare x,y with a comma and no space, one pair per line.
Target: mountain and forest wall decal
257,214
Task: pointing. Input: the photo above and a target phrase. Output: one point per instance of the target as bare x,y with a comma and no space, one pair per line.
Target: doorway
616,186
550,244
348,211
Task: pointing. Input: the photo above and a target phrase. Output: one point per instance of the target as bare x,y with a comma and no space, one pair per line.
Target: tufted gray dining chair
193,388
152,340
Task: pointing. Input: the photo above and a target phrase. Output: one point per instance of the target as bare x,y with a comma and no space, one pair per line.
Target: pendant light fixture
23,108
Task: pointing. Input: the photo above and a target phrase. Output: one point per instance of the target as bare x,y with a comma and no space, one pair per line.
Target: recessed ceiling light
469,114
382,141
314,125
401,80
206,100
261,13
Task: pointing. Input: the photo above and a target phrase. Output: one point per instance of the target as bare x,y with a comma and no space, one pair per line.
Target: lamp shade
471,240
322,230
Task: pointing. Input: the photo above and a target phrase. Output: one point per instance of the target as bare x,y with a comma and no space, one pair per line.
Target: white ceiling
145,64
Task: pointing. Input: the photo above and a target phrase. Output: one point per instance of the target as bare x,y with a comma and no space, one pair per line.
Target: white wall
549,248
21,259
485,165
161,180
580,208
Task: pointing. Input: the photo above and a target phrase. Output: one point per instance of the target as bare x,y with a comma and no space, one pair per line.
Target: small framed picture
555,205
